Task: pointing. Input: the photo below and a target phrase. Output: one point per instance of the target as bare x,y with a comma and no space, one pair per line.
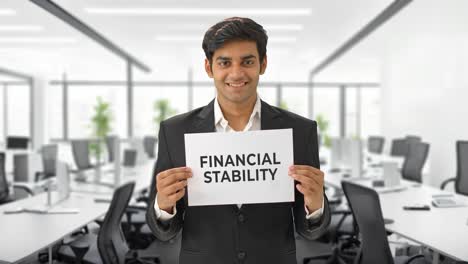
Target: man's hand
311,185
171,187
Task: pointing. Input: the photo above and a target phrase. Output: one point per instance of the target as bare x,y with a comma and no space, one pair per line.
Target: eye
249,62
223,63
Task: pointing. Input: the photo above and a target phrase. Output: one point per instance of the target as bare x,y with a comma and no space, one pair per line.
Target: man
235,52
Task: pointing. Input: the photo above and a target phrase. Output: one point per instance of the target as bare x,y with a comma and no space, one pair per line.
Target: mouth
237,85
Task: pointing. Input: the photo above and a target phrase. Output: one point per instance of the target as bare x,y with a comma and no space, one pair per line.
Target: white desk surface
445,230
25,233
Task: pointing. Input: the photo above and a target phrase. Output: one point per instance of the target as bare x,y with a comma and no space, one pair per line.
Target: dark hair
234,28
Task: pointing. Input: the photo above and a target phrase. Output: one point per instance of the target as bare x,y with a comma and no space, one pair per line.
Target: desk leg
50,255
435,257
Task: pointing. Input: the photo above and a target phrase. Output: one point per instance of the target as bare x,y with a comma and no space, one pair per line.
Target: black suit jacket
253,234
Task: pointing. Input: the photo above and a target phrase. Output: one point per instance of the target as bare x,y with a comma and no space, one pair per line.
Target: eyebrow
229,58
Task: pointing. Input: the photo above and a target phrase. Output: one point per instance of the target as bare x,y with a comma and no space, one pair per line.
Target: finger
177,196
308,173
312,173
304,167
169,172
304,179
309,182
171,189
306,191
303,190
179,176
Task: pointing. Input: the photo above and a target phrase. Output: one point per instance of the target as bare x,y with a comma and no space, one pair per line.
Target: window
143,106
2,115
83,99
202,95
327,104
296,100
371,112
54,111
268,94
18,101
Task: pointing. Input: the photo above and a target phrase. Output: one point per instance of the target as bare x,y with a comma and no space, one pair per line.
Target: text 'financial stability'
224,162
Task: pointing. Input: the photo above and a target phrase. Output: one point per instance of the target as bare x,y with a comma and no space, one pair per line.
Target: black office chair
80,150
149,144
49,155
461,180
5,196
16,142
413,139
129,158
365,206
375,144
110,246
4,189
399,147
110,143
414,162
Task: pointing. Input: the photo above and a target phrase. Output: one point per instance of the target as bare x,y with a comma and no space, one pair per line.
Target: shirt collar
219,117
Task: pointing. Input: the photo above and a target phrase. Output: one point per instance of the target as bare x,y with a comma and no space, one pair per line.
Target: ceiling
314,35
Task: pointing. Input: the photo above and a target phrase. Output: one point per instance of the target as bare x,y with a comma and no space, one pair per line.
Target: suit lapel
270,117
204,121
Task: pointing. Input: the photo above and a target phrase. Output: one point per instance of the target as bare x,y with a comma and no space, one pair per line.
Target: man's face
236,70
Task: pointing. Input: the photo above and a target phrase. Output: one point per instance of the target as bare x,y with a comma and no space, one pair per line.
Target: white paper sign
240,168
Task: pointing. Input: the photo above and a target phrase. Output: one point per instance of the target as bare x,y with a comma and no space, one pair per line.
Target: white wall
425,92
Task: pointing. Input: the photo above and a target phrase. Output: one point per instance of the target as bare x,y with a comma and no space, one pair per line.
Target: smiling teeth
236,85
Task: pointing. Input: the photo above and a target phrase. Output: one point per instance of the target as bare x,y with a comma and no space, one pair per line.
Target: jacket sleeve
314,228
169,229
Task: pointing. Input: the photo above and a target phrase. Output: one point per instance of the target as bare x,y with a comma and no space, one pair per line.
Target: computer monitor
13,142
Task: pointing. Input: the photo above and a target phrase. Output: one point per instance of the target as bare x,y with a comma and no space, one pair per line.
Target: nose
237,72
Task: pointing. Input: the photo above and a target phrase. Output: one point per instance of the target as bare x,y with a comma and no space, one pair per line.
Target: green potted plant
100,125
162,111
323,124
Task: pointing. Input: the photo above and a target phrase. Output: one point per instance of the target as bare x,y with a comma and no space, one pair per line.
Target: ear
208,68
263,66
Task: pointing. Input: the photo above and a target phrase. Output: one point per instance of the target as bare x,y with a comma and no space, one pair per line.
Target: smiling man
235,50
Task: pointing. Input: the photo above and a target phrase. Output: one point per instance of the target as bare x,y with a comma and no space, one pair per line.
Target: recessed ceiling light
33,40
7,12
200,11
20,28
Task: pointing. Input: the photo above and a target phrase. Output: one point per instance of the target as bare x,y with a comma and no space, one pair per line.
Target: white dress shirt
222,125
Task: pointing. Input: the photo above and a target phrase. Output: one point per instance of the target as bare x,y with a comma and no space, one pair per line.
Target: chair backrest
14,142
80,150
414,161
130,158
49,159
21,168
399,147
111,241
149,144
4,191
413,139
375,144
461,182
110,143
365,207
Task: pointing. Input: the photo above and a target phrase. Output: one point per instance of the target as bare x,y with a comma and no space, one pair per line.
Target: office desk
24,234
444,230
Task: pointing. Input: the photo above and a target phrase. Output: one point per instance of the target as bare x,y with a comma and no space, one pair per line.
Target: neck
237,114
